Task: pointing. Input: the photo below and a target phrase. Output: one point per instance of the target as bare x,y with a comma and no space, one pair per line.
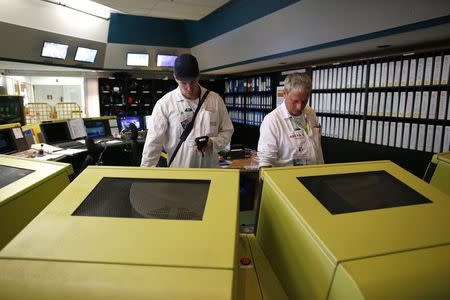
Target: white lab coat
165,131
280,143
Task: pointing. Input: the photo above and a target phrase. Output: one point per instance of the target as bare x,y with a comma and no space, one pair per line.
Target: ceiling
169,9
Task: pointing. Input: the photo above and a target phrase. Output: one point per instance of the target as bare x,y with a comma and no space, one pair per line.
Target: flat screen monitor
354,192
54,50
85,55
163,60
95,128
137,59
126,120
7,144
57,132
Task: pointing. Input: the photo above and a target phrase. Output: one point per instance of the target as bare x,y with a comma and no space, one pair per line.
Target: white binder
413,141
421,138
405,141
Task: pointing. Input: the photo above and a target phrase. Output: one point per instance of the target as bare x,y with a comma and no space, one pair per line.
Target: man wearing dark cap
174,112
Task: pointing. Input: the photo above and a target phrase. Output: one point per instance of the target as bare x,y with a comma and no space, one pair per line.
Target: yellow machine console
130,233
26,187
368,230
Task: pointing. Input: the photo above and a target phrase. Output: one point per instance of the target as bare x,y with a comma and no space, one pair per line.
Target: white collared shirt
166,128
280,142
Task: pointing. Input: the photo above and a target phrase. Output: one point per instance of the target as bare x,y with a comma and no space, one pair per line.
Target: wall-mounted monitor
95,128
126,120
85,54
54,50
137,59
163,60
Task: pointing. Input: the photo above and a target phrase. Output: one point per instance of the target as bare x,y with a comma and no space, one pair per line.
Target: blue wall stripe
230,16
128,29
359,38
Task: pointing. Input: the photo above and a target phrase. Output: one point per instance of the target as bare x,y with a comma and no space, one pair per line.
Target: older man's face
296,101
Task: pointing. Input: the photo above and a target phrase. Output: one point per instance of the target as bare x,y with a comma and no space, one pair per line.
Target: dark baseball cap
186,67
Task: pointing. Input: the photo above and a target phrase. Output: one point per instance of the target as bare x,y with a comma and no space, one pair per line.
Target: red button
245,261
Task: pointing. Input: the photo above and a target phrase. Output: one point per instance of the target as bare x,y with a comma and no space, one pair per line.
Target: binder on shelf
354,75
404,79
413,140
341,128
437,70
373,133
325,78
392,134
437,139
442,105
362,104
388,106
416,109
424,105
356,130
382,104
350,129
339,78
328,126
344,77
412,72
445,69
347,103
375,104
333,127
398,138
390,80
349,77
372,75
357,103
428,69
379,132
377,74
397,72
352,103
421,137
402,104
446,145
346,129
405,143
334,78
359,77
369,104
360,131
395,104
384,73
364,76
342,104
420,69
385,133
368,131
409,104
433,105
429,138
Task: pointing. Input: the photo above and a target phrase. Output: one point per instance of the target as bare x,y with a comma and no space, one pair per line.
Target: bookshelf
398,101
249,99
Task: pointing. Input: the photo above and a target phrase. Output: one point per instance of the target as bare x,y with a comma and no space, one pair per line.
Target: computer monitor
137,59
126,120
85,54
163,60
7,144
95,128
55,132
54,50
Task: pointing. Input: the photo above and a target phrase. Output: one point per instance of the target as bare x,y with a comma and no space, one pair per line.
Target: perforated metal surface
10,174
345,193
146,198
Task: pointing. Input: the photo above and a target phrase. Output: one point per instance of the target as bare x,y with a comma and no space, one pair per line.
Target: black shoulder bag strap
188,128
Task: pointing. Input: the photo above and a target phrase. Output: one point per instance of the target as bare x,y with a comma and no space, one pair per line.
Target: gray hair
297,81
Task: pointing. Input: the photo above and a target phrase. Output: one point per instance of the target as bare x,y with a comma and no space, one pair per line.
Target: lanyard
297,124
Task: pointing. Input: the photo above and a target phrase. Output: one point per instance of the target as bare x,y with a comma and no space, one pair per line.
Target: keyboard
71,145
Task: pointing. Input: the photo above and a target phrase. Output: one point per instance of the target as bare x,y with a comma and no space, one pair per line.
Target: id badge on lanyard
298,140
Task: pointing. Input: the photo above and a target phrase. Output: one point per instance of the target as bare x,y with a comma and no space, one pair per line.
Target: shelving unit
249,99
398,101
138,96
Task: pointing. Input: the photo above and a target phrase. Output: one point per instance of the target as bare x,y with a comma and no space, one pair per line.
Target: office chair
94,154
135,151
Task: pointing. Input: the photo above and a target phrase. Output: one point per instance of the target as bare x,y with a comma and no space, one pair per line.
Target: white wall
54,18
313,22
92,107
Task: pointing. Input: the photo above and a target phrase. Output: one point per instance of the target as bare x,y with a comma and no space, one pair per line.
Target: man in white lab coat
175,110
290,134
